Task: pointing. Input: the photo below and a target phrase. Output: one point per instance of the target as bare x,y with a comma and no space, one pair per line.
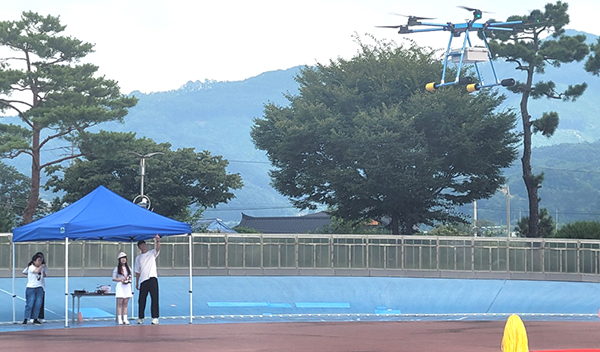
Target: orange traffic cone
79,317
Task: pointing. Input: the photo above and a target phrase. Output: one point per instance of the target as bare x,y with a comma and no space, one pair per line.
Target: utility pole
475,218
506,190
507,211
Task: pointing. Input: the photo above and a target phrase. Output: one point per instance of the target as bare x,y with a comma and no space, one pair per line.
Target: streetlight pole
143,200
506,190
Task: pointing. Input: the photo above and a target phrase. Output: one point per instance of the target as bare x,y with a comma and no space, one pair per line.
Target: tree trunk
34,194
530,182
395,224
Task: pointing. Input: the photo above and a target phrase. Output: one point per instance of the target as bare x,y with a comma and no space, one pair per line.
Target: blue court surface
218,299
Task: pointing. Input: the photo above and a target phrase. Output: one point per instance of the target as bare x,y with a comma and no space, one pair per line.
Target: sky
159,45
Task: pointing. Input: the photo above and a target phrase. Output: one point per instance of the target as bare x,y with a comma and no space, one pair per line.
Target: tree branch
554,96
520,66
58,161
19,152
9,103
57,135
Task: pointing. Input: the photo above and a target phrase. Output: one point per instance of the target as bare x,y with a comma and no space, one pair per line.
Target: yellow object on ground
515,335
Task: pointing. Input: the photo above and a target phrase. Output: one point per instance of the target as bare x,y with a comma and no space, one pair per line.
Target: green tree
14,190
447,230
175,181
342,226
531,53
545,225
362,138
54,98
580,230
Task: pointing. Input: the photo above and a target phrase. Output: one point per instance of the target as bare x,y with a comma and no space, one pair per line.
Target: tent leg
190,262
133,306
67,282
14,297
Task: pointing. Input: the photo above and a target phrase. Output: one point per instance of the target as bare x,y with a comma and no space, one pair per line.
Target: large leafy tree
54,97
175,181
532,52
14,190
363,138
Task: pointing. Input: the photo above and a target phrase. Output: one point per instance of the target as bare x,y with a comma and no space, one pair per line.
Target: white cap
121,255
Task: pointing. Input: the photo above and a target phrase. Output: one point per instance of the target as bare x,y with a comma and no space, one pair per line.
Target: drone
468,54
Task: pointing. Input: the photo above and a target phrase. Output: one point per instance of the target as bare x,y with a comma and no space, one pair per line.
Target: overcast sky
159,45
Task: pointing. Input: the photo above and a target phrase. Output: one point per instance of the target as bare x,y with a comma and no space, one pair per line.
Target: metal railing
357,255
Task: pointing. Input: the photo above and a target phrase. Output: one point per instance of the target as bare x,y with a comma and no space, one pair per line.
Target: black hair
120,267
140,242
43,257
35,257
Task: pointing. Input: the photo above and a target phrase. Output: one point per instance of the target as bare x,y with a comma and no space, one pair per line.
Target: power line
248,208
249,161
557,169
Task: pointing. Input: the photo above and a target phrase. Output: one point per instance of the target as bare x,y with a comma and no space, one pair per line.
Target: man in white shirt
146,279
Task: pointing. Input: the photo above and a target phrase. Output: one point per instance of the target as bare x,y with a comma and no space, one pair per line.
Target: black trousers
149,286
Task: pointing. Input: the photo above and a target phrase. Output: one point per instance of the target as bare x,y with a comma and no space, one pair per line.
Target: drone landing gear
507,82
430,87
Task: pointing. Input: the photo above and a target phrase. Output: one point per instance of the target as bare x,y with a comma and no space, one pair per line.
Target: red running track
417,336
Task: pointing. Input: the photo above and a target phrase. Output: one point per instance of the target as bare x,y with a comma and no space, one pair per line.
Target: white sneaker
125,321
155,321
140,321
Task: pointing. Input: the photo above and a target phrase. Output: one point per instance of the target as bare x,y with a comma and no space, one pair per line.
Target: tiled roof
312,223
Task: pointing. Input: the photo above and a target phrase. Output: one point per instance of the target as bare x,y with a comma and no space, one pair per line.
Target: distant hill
570,191
217,116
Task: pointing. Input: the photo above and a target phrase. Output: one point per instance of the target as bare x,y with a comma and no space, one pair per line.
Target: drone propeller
477,14
412,21
472,9
416,18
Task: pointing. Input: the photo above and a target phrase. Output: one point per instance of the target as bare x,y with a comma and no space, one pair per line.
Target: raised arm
157,243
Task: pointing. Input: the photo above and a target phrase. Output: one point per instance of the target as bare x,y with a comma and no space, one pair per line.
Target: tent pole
132,280
190,262
14,297
67,282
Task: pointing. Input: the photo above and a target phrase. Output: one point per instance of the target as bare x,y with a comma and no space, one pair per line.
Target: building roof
214,225
312,223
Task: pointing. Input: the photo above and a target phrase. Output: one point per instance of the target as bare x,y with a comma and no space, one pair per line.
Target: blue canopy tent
100,215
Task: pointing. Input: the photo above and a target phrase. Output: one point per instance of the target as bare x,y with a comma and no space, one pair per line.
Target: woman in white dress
122,275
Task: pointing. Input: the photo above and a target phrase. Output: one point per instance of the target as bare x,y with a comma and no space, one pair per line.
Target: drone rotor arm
425,30
505,29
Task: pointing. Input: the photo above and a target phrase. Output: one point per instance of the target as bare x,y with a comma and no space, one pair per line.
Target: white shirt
145,265
34,279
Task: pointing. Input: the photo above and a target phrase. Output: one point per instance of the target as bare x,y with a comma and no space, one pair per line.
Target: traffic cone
515,335
79,317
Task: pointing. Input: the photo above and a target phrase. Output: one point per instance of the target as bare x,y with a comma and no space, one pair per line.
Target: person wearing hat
122,275
147,279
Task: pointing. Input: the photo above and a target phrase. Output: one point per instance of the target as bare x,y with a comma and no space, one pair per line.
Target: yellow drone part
471,88
430,87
